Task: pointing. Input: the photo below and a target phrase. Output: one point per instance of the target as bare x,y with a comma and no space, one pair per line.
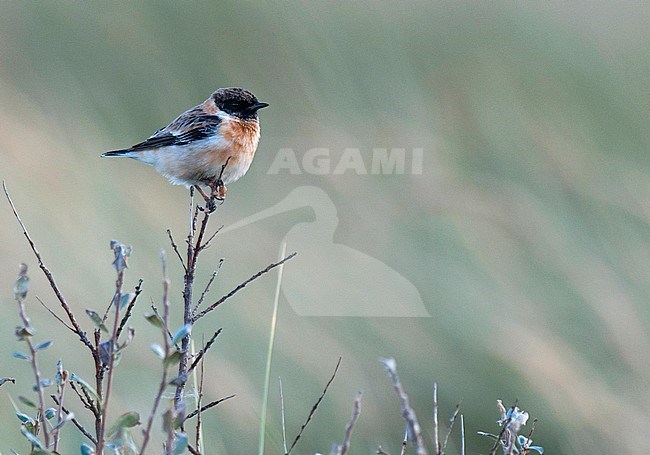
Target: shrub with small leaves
511,422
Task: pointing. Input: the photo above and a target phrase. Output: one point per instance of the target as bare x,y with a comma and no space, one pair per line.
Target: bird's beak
257,106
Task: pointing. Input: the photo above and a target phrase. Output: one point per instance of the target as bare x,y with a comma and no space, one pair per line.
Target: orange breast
242,138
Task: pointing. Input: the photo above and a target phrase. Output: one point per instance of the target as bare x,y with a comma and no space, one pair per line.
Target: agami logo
351,283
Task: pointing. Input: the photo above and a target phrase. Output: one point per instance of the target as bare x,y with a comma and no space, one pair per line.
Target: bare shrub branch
315,406
241,286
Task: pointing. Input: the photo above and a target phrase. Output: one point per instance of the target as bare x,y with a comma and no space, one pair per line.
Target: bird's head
238,102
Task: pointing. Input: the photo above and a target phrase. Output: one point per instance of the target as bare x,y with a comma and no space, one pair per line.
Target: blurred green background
527,234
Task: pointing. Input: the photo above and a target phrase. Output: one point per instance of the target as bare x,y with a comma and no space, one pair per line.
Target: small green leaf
118,357
49,413
489,435
61,374
30,427
179,380
87,450
126,299
31,438
21,356
179,415
66,418
105,350
24,332
97,320
130,333
22,283
158,350
43,345
180,445
24,418
154,320
27,402
44,383
182,333
168,421
121,253
85,385
173,358
122,443
127,420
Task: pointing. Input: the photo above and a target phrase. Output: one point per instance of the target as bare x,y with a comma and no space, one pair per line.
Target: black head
238,102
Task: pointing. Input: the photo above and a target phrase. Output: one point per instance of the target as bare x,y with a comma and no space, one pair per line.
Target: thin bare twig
315,406
75,422
404,442
194,218
199,399
111,363
208,406
241,286
207,287
199,239
356,411
63,381
55,315
50,278
452,420
206,244
407,412
129,309
155,311
35,370
175,248
163,379
493,451
202,352
85,399
529,438
192,450
188,289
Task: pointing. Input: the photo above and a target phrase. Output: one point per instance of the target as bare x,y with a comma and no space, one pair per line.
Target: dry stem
241,286
315,406
37,373
111,363
356,411
166,347
50,278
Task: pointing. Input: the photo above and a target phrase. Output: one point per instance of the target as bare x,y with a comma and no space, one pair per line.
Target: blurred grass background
527,235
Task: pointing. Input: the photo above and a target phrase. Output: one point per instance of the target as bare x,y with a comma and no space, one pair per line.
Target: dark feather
208,126
115,153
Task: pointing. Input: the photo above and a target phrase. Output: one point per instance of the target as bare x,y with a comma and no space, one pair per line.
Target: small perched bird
210,144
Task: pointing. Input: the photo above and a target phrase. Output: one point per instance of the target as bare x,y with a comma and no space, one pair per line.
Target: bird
211,144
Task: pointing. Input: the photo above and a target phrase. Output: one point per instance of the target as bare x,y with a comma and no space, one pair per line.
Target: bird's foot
218,190
210,203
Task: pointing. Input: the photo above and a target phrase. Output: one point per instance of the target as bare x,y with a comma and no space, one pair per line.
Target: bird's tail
125,152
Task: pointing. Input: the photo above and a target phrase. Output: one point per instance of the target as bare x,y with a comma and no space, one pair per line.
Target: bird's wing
190,126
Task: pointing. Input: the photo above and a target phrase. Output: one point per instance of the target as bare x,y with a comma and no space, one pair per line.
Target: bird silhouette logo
350,282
